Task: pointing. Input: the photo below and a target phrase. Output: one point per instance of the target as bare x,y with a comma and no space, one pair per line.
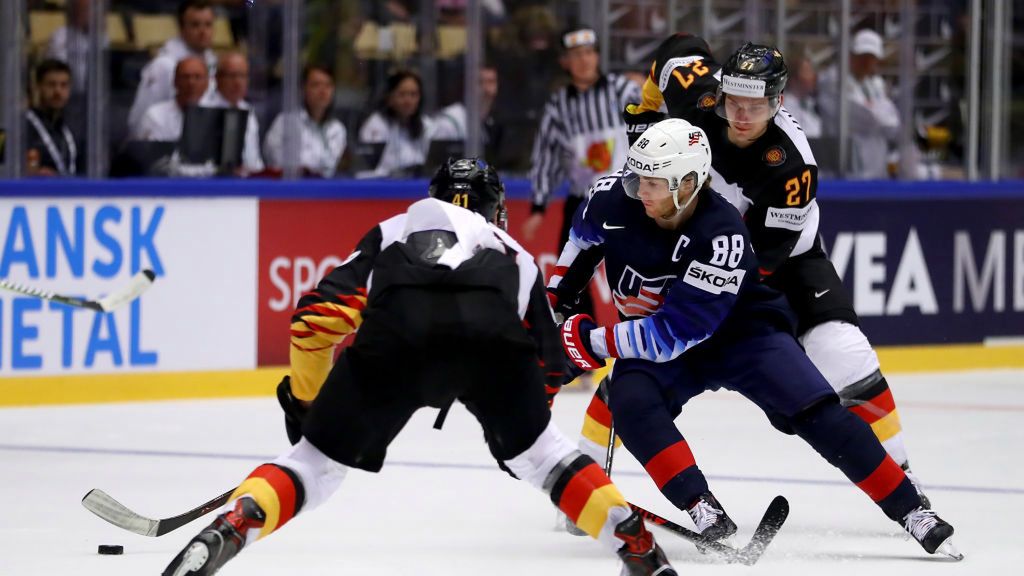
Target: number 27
793,188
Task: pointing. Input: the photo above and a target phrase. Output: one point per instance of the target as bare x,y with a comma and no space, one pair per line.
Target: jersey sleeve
695,306
784,217
682,73
325,316
584,250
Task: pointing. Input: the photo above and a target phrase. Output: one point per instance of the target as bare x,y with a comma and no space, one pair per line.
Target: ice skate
641,555
925,502
710,518
933,533
217,543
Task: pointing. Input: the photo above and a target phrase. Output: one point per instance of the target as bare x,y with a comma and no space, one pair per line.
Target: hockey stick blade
138,284
774,517
103,505
132,290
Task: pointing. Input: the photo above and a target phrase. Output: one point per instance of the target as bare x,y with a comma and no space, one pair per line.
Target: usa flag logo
636,295
694,138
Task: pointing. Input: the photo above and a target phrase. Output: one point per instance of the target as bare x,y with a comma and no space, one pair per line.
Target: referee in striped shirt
581,136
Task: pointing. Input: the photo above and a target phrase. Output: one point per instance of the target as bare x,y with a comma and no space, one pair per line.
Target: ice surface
440,507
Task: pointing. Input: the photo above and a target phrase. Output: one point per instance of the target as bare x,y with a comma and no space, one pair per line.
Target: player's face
657,198
748,117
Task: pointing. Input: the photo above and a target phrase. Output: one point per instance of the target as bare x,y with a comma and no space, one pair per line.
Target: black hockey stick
130,291
103,505
773,519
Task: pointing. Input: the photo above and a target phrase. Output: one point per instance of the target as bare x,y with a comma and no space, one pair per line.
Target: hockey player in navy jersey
695,316
456,310
765,167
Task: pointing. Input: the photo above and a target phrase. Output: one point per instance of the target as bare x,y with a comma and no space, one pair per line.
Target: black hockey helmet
754,71
471,183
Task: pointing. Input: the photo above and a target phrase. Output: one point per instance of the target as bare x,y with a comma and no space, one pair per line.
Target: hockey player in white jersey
446,307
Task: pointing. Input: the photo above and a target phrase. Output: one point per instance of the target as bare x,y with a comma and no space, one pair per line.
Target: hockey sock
871,400
575,483
849,445
597,424
580,488
674,470
278,492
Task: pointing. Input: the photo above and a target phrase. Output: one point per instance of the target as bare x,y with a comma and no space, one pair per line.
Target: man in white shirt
232,88
195,20
323,138
873,117
162,122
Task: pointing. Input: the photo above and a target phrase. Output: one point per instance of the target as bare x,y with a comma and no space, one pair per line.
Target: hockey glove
638,122
576,342
294,411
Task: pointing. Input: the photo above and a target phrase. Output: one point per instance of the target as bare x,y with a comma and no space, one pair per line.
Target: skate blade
948,549
194,559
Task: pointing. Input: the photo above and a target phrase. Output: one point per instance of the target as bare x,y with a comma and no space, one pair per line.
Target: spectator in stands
801,98
873,117
323,137
70,43
195,22
162,122
451,122
51,146
400,126
232,87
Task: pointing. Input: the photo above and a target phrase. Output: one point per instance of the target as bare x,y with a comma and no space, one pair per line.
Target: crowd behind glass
380,98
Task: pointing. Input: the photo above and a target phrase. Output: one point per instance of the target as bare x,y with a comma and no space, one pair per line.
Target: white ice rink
440,507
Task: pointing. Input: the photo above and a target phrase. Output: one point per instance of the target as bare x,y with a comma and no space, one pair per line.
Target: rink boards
936,272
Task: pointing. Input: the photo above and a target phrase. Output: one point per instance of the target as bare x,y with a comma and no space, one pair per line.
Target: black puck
111,549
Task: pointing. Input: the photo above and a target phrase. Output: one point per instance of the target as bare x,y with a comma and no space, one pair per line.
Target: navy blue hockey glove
294,411
638,122
576,342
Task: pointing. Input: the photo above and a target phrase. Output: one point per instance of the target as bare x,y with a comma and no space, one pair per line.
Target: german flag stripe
578,491
276,492
595,513
324,330
568,474
887,427
668,463
599,411
881,483
876,408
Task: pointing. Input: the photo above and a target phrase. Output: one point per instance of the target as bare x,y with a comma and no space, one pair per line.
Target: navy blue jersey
773,182
673,288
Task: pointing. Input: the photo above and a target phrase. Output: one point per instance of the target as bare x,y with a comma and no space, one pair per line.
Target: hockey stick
103,505
774,516
130,291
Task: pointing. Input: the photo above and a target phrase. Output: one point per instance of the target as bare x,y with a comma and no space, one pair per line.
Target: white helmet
671,149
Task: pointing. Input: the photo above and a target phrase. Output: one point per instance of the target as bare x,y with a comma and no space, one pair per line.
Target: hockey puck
110,549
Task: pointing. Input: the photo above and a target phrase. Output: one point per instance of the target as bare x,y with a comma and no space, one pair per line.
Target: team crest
774,156
706,101
635,295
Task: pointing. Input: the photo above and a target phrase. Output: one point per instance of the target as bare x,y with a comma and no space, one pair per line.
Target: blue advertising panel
926,270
